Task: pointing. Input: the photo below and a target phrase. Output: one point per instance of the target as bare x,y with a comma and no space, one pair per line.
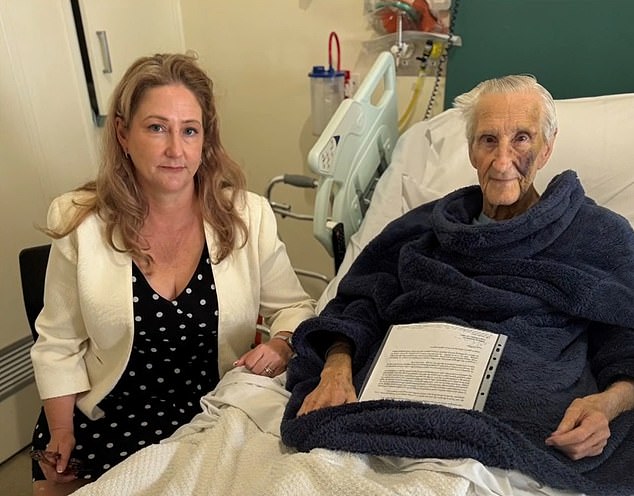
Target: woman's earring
127,155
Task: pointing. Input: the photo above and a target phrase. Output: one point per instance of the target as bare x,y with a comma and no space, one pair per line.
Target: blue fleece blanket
557,280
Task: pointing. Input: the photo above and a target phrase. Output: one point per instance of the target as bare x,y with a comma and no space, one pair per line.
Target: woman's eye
190,131
155,128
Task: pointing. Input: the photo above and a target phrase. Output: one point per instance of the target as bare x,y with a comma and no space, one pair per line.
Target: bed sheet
233,448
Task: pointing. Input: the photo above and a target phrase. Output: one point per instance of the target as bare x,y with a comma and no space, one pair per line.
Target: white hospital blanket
233,448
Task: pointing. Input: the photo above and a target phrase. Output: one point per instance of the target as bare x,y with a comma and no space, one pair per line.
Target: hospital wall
259,54
47,145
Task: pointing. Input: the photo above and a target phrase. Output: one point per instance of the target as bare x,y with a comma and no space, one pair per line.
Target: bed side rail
352,153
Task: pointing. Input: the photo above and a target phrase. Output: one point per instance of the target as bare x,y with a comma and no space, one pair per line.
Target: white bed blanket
233,448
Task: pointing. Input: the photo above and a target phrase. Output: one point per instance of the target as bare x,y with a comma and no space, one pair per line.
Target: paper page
435,362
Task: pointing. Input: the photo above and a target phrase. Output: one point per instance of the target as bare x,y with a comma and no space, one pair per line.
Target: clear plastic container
326,93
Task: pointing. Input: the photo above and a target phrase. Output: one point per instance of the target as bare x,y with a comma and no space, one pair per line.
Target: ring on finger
268,370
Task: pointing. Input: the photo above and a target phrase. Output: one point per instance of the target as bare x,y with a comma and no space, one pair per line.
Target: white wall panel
48,145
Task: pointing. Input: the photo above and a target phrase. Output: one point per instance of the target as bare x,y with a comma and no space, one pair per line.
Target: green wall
574,47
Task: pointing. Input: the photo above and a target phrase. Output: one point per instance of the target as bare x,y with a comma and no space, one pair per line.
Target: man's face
508,149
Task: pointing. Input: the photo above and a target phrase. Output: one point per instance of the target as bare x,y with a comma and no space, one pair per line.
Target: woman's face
164,140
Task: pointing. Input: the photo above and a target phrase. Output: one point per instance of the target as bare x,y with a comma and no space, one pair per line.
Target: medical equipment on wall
442,61
416,31
431,61
405,26
327,88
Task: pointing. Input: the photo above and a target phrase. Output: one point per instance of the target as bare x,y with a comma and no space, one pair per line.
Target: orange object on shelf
418,17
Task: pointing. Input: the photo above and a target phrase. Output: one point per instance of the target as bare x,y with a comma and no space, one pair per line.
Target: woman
157,274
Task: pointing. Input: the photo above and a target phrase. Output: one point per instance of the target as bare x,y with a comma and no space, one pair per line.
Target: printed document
435,362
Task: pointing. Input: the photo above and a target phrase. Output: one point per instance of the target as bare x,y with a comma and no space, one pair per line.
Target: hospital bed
233,447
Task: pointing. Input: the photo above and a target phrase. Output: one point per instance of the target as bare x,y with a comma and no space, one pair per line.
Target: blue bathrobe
558,280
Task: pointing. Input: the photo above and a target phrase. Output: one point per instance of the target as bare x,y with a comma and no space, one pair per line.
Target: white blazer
86,327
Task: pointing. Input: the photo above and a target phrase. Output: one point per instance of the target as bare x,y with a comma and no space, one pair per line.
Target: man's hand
583,431
335,386
585,427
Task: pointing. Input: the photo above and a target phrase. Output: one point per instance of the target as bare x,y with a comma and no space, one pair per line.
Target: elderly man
555,273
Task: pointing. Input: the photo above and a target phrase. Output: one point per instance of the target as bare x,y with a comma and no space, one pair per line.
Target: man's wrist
338,347
620,397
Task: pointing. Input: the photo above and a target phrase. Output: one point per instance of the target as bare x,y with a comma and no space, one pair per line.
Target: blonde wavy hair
118,198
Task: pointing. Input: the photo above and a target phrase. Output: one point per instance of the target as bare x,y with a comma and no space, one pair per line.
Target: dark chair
33,261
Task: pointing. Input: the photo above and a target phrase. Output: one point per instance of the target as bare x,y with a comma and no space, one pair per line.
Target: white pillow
595,138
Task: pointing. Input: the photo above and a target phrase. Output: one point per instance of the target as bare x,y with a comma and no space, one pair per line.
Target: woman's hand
59,416
585,427
335,385
270,358
54,461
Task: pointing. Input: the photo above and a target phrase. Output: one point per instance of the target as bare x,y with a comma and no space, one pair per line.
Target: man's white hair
467,102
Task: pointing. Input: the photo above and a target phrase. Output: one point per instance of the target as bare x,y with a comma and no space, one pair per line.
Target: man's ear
548,150
470,149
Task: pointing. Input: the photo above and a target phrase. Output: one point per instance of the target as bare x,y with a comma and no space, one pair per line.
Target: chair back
33,262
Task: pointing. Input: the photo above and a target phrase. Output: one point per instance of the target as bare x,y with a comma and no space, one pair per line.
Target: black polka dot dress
174,361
